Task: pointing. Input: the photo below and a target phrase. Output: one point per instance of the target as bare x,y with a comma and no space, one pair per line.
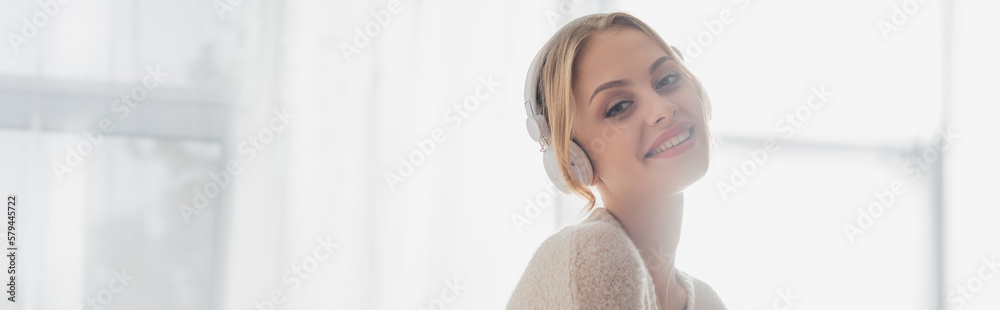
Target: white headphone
538,129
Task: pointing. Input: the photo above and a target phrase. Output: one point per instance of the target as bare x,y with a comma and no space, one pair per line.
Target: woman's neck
654,225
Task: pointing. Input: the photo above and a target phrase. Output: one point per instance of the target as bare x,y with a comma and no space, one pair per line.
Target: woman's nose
661,110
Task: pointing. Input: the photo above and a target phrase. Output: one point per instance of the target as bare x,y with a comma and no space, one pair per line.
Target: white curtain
438,84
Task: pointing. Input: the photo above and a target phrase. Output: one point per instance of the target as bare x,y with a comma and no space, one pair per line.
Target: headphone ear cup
538,128
677,51
552,170
579,164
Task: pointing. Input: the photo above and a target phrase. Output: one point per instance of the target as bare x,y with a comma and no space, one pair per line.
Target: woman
627,118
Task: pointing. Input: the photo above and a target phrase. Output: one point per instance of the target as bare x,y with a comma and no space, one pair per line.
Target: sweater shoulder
706,297
588,238
592,263
701,296
588,248
579,243
608,271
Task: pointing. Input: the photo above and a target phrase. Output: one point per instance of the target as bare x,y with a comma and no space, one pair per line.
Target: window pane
763,63
116,214
971,214
783,229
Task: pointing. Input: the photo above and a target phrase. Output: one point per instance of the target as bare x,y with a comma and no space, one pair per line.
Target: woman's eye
617,108
670,79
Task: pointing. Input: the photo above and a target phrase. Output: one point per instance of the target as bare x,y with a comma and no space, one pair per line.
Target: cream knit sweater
595,265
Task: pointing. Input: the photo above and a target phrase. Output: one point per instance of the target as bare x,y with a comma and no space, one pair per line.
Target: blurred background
247,154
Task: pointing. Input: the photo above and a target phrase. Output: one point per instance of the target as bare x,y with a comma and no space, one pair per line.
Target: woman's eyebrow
612,84
657,63
626,82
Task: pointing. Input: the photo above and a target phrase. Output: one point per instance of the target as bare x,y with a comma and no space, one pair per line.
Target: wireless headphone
539,131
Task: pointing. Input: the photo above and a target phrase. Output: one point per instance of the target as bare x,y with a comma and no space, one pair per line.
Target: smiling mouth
673,141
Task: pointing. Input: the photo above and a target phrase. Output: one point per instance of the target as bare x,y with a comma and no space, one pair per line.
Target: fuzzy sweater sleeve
586,266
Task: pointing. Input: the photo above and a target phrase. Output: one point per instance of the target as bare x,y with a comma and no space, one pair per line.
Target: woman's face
630,98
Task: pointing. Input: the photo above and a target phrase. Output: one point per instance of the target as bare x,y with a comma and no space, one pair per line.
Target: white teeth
683,136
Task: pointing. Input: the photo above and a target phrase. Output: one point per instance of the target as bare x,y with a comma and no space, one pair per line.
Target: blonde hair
555,84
